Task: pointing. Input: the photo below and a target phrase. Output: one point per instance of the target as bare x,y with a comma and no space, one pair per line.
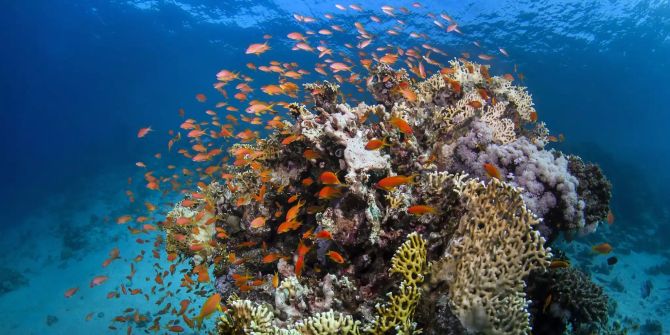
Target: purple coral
549,190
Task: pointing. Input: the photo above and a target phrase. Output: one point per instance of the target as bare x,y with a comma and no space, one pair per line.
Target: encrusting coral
569,297
389,218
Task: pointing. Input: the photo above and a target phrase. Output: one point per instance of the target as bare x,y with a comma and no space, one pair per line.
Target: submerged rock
11,280
51,320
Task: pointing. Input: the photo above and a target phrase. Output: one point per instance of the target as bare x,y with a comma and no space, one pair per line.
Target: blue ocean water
79,78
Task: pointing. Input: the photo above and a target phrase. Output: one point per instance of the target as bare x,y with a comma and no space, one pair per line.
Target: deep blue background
79,78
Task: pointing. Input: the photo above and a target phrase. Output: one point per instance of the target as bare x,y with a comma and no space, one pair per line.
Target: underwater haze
81,81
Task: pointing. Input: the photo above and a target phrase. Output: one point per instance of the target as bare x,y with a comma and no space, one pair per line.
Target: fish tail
198,321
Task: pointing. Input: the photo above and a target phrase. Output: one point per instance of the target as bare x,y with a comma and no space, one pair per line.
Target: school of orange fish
242,108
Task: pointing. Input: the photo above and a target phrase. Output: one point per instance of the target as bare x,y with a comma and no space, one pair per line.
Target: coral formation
409,261
593,187
568,297
245,317
493,251
315,229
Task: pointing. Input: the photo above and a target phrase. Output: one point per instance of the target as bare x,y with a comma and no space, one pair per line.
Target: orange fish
302,248
296,36
176,329
329,178
335,256
407,92
455,85
275,280
246,244
271,257
602,248
310,154
421,210
485,57
143,132
257,282
492,171
547,302
302,251
328,193
337,67
389,183
558,263
475,104
272,90
401,124
375,144
533,116
71,292
308,233
389,58
201,97
98,280
324,234
203,275
257,48
610,217
258,222
298,265
211,305
291,139
483,94
184,304
257,107
292,213
293,198
288,225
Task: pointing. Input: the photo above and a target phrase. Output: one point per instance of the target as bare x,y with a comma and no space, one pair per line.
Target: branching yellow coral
398,312
410,260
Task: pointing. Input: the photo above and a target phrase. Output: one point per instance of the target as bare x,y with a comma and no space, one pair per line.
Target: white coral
503,128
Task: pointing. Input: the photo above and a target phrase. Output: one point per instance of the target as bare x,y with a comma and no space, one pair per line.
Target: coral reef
568,297
425,212
245,317
593,187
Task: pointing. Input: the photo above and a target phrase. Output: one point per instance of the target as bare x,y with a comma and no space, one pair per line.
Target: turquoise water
78,79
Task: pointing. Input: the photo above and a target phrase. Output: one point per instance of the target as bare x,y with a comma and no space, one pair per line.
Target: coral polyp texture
423,211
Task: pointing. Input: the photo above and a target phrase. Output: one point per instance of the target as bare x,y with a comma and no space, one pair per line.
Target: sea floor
63,243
